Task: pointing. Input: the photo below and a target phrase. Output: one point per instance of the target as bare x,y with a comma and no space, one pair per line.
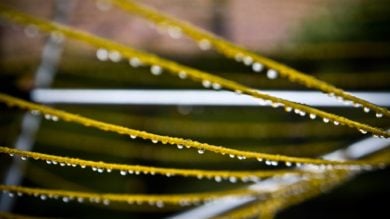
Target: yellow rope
193,74
133,133
232,51
124,169
176,199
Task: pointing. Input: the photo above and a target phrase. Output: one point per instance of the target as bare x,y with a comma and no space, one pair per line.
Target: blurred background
345,43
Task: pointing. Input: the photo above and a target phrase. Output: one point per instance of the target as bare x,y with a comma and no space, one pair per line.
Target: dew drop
218,178
182,75
288,109
301,113
114,56
106,202
232,155
179,146
156,70
378,115
11,155
65,199
312,116
11,195
336,123
366,109
216,86
62,164
174,32
160,204
325,120
154,141
35,112
232,179
363,131
238,57
23,158
48,162
259,159
133,136
206,83
80,200
204,44
272,74
257,67
100,170
43,197
248,60
200,151
288,164
123,172
135,62
102,54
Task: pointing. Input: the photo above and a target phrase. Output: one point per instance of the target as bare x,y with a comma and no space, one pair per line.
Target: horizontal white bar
191,97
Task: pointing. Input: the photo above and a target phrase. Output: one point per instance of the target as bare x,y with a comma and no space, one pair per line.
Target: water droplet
378,115
312,116
159,204
11,155
288,164
11,195
232,179
55,118
35,112
133,136
106,202
204,44
23,158
62,164
156,70
102,54
232,155
241,157
248,60
174,32
257,67
31,31
179,146
325,120
272,74
366,109
43,197
114,56
216,86
200,151
94,168
135,62
100,170
297,111
218,179
268,162
65,199
155,141
301,113
288,109
206,83
182,75
259,159
274,163
336,123
80,200
123,172
363,131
